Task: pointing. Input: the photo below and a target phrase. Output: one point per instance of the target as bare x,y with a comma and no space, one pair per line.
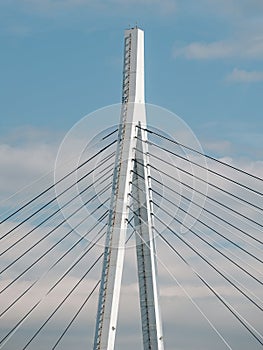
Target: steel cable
59,181
204,258
56,212
220,298
85,301
22,273
154,191
52,200
76,315
210,245
229,208
234,312
189,296
18,324
202,154
204,181
173,178
102,217
63,301
211,228
205,168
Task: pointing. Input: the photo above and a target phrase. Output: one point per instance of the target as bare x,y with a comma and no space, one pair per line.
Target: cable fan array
205,212
40,250
209,214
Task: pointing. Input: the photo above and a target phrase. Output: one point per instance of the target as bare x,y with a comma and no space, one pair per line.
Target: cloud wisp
245,48
244,76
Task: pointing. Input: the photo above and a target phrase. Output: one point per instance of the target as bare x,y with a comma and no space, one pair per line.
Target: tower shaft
130,168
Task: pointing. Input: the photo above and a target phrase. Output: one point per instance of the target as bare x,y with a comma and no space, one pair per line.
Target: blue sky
61,60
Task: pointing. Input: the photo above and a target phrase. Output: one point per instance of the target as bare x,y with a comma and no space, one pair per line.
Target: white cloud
27,154
199,50
244,76
233,8
20,165
241,48
219,146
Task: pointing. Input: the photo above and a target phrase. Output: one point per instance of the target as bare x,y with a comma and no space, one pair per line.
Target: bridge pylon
130,180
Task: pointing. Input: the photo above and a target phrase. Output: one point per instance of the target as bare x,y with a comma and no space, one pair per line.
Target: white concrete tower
130,182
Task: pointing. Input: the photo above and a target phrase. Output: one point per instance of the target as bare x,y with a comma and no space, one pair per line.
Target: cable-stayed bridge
135,187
